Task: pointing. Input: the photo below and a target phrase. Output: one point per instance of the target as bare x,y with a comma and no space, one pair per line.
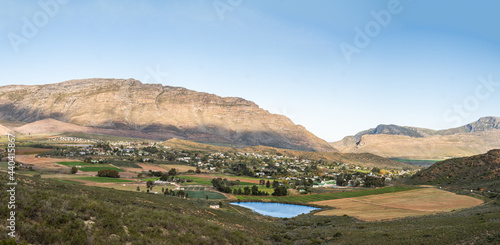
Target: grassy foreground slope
52,212
476,172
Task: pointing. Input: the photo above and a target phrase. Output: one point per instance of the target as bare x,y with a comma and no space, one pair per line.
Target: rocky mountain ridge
155,111
419,143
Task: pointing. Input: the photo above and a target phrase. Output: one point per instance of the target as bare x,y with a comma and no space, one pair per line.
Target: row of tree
224,185
250,191
356,180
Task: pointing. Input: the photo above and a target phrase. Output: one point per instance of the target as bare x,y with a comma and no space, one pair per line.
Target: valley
117,174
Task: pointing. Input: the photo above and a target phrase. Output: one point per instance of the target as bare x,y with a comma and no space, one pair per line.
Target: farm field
104,179
86,167
42,162
179,168
30,150
197,180
74,163
233,178
151,167
97,168
398,205
326,196
208,181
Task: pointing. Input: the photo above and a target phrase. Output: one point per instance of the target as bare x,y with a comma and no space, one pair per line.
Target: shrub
108,173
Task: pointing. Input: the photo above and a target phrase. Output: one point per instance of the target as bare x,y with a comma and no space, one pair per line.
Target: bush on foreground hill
53,212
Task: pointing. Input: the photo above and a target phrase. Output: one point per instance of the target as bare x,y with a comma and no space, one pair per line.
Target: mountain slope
152,109
480,171
4,130
418,143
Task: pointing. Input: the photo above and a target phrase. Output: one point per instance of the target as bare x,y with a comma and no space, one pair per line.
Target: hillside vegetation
475,172
52,212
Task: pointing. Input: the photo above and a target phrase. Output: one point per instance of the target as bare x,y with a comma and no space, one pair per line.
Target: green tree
275,184
375,170
181,193
150,184
172,172
268,184
255,190
108,173
280,191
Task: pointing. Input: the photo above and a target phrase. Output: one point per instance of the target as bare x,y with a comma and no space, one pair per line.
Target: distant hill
363,159
152,111
418,143
4,130
480,171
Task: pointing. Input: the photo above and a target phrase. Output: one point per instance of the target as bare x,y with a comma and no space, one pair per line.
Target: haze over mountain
129,107
420,143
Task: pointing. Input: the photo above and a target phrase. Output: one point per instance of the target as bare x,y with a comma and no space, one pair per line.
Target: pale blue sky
418,69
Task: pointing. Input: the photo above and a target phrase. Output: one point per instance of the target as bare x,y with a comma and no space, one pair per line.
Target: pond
278,210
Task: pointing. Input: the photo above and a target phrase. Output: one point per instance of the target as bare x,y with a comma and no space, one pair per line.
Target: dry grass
179,168
148,167
398,205
30,151
43,162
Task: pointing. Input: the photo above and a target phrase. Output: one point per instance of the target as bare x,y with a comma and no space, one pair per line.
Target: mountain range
129,108
152,111
419,143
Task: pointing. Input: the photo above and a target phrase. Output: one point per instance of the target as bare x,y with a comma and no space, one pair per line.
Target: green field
4,165
152,179
72,164
86,167
95,169
194,188
104,179
326,196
